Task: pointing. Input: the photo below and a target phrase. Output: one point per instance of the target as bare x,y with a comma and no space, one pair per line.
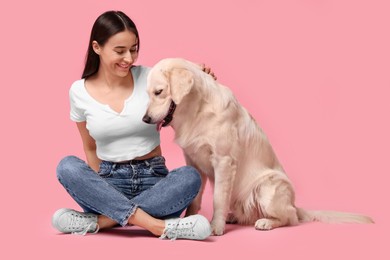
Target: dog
225,144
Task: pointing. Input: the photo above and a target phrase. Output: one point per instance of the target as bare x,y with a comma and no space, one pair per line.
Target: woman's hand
208,71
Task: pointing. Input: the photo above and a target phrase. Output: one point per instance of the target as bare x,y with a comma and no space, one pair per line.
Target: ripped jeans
118,189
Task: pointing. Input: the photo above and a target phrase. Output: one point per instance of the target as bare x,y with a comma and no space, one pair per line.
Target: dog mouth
159,125
168,118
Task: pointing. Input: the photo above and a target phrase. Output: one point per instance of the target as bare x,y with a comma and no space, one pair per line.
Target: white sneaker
194,227
72,221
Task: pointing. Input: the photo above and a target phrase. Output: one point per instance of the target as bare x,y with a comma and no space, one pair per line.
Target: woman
125,180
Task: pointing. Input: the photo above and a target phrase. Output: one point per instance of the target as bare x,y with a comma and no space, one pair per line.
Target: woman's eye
119,52
158,92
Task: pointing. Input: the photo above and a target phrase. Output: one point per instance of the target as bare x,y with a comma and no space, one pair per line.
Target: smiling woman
107,25
125,180
112,84
118,53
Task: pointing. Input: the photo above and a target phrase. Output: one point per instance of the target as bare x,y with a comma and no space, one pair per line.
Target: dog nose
146,119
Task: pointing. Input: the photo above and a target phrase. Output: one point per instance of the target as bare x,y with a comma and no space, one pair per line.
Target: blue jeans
118,189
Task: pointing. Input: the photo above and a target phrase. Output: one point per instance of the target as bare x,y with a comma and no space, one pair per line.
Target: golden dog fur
224,143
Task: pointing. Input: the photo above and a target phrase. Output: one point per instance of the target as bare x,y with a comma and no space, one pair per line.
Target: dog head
168,83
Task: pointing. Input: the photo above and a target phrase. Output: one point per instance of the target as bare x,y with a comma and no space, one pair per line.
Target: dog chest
201,158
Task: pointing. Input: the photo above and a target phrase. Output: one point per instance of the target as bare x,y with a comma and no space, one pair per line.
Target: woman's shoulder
77,87
140,70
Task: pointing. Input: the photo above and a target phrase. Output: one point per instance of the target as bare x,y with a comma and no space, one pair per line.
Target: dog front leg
197,202
225,171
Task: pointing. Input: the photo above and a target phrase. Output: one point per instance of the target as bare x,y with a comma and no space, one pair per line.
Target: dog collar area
169,116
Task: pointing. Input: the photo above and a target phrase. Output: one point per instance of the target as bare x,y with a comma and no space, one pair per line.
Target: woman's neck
113,81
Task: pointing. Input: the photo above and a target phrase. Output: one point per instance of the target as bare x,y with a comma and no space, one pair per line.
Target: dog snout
147,119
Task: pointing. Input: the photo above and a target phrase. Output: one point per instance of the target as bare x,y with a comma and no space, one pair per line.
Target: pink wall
314,74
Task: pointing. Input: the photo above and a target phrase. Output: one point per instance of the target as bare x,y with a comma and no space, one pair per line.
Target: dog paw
218,228
264,224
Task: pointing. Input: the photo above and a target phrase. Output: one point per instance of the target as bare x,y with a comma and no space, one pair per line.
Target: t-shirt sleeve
146,70
76,113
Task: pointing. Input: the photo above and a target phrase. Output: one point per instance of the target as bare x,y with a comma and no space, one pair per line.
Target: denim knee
67,168
190,177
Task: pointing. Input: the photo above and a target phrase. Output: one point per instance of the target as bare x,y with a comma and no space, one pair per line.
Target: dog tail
331,217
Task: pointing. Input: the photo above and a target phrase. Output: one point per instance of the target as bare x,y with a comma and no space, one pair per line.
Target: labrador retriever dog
225,144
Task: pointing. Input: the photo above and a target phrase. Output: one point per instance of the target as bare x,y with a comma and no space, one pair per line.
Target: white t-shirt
119,136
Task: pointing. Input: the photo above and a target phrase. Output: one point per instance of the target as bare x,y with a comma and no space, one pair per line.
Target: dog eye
158,92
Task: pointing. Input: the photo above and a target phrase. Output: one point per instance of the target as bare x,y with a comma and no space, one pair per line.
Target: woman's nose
128,57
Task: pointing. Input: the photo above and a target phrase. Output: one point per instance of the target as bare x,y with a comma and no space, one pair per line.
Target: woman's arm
89,146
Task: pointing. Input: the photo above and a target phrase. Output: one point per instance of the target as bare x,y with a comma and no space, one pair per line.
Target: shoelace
174,232
80,221
85,230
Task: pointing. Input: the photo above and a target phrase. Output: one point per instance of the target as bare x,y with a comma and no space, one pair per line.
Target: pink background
314,74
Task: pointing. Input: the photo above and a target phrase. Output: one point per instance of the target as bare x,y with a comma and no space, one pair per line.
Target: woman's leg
92,192
171,195
140,218
167,197
150,186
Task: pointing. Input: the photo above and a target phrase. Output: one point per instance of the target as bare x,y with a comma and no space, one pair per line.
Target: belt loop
113,166
147,163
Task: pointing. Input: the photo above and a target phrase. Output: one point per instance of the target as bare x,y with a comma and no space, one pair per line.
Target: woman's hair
105,26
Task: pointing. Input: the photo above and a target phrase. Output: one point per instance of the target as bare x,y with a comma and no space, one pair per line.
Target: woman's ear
96,47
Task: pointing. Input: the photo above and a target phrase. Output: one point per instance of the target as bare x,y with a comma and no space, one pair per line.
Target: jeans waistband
134,162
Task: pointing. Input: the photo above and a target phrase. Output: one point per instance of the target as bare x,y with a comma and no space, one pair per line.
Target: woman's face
118,54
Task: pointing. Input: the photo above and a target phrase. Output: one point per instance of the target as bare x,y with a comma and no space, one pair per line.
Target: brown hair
105,26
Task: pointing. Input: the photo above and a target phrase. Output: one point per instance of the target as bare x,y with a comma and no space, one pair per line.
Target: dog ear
181,82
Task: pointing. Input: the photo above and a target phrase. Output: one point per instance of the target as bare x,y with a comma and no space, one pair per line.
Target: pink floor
36,238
